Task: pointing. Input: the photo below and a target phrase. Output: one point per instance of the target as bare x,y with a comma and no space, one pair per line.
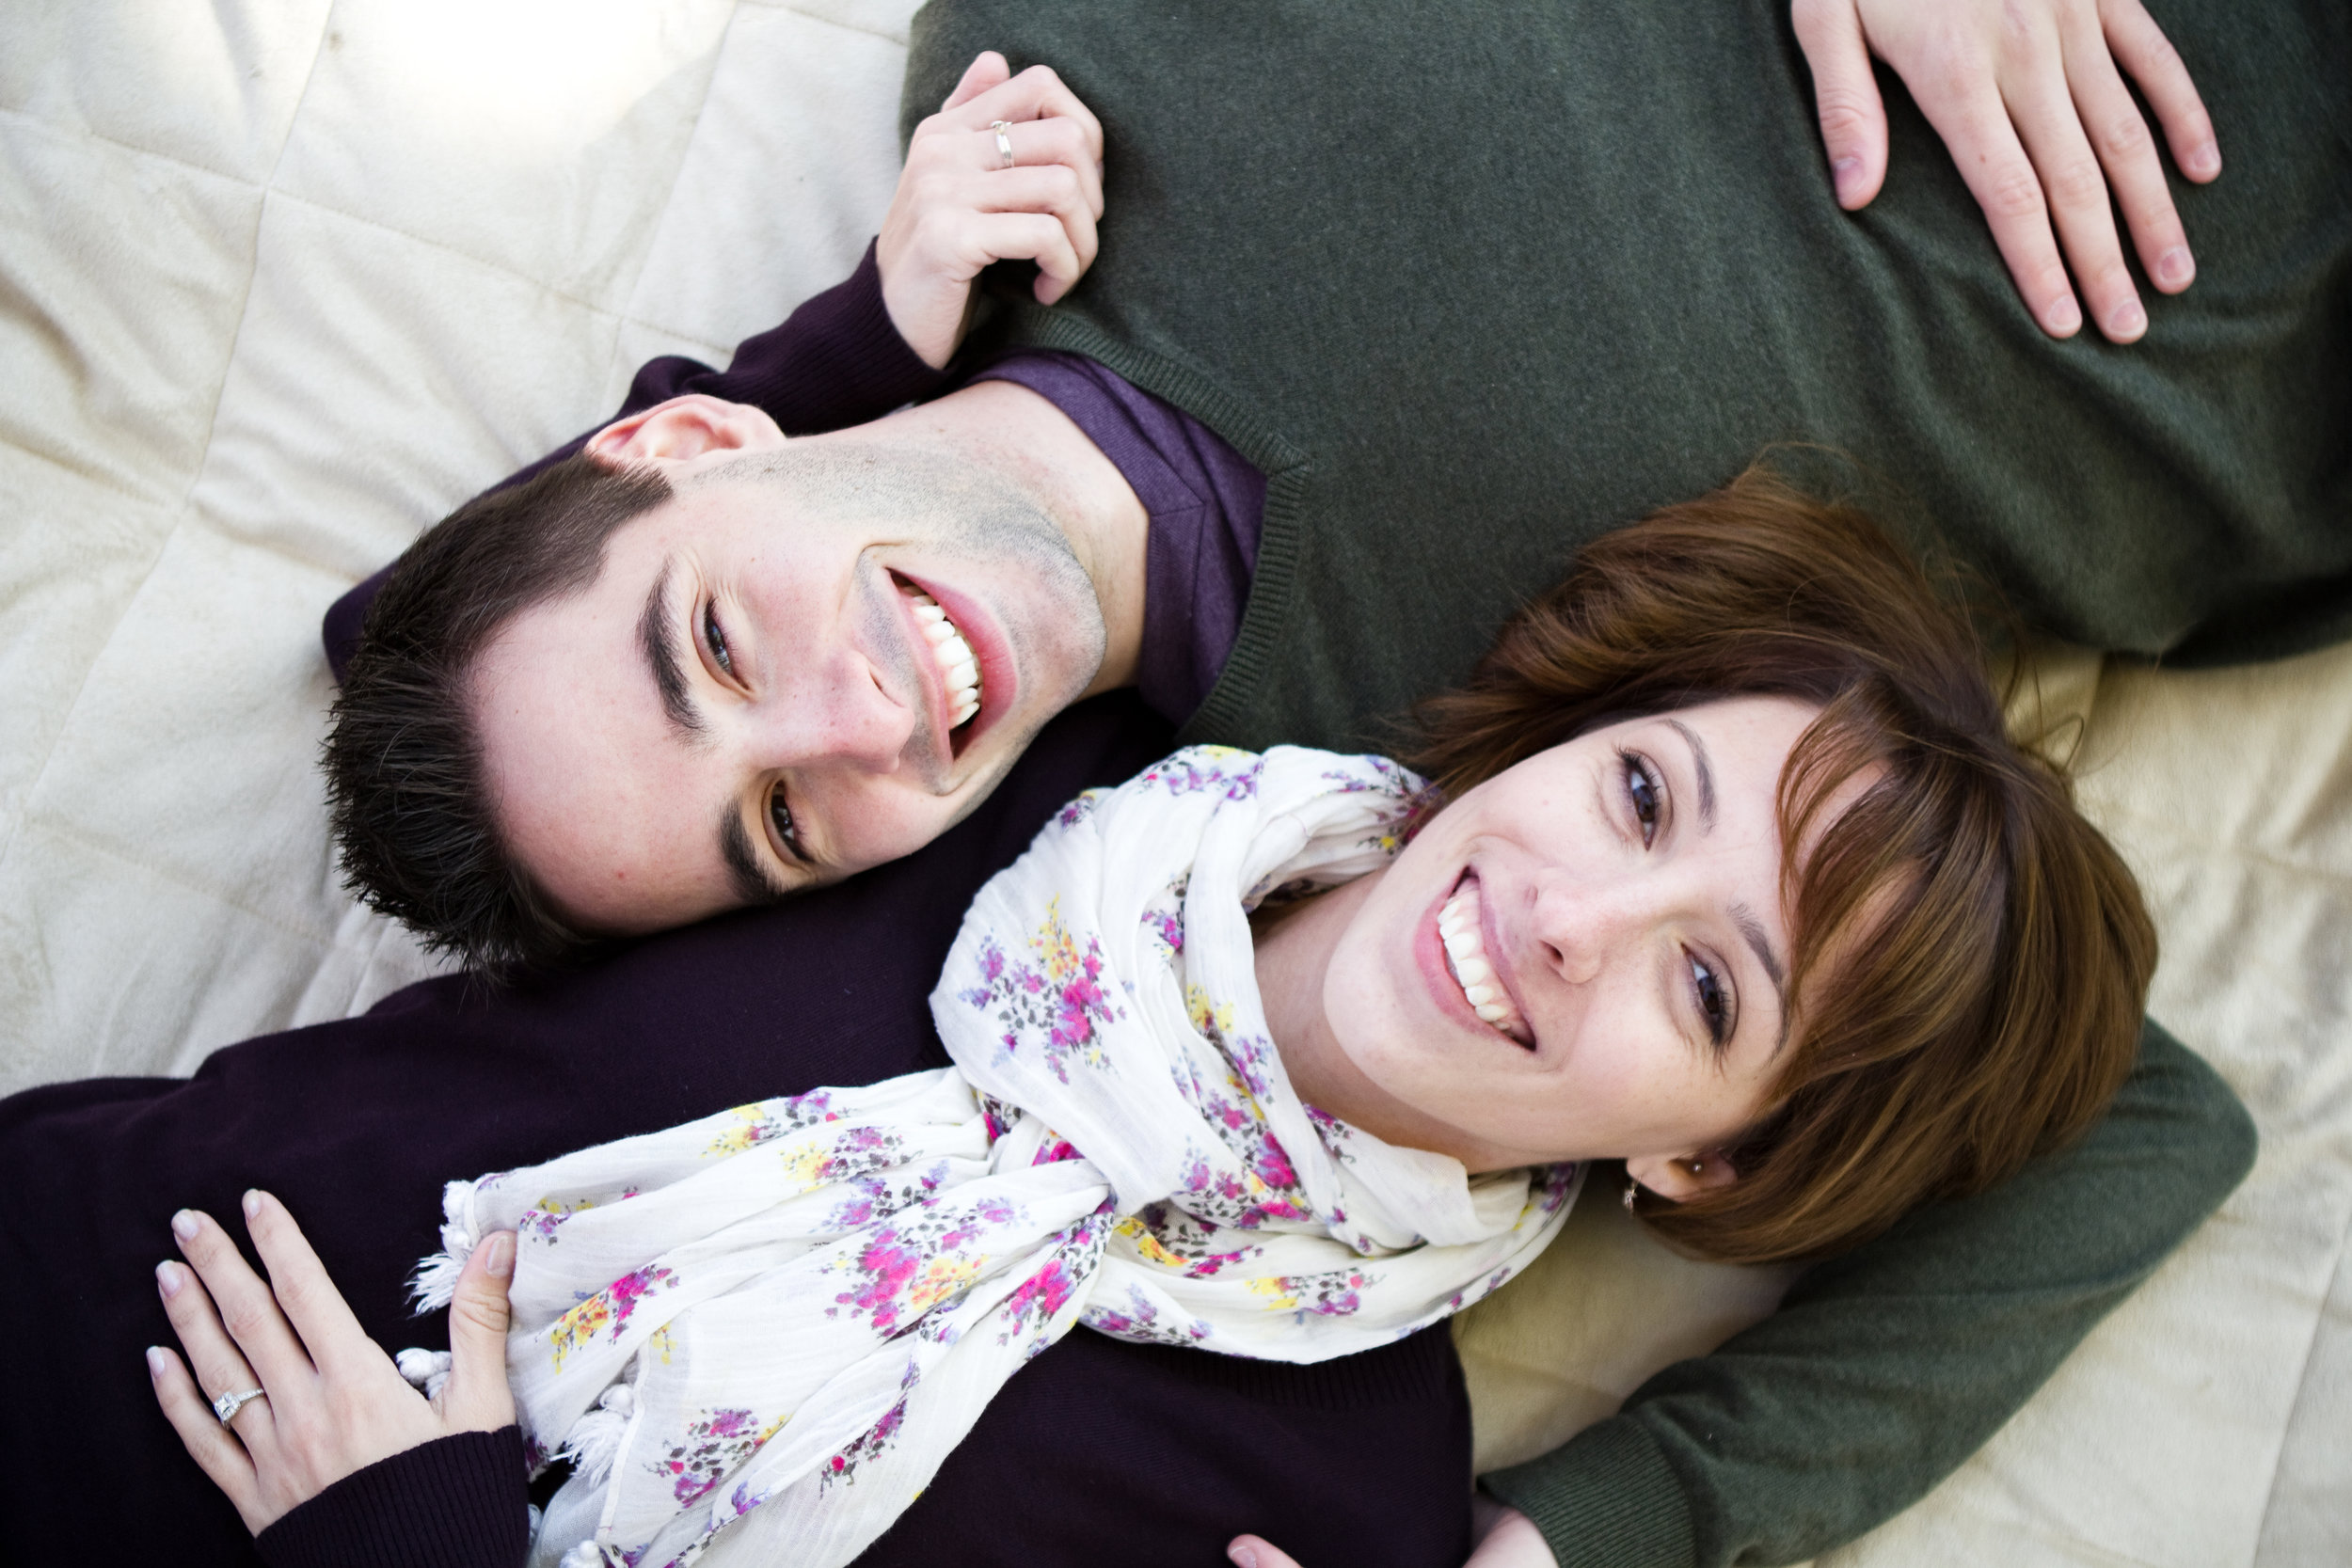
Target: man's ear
682,429
1679,1178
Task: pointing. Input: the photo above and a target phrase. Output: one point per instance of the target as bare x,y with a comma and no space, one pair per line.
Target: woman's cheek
1356,1027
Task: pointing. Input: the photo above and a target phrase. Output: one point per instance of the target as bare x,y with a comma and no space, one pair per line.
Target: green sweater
1474,284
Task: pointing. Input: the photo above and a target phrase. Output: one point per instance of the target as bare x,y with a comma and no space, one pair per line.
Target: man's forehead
596,795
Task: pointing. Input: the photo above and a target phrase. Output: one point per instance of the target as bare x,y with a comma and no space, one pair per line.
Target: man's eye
1641,786
1714,1005
780,815
715,640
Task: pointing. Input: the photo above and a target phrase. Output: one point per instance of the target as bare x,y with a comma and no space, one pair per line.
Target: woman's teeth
1466,956
956,663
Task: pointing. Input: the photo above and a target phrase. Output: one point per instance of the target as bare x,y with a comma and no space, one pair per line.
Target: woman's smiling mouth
1462,933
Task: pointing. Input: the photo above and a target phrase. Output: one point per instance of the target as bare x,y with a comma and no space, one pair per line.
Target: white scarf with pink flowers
761,1333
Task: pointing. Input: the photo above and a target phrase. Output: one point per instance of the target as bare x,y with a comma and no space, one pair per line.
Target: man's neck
1021,436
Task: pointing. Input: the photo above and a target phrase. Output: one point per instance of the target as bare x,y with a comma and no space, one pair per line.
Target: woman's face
1585,956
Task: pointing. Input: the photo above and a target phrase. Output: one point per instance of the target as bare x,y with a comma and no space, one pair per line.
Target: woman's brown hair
1970,956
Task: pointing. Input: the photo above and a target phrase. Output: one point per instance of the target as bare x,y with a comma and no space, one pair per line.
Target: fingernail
252,1202
1847,174
2129,320
2064,315
499,1259
2205,161
156,1361
184,1225
2175,267
167,1279
1243,1556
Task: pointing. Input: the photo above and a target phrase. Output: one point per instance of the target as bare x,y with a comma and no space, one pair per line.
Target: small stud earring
1632,1189
1698,1167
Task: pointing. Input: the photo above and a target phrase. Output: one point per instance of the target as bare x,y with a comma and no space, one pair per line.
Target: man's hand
1505,1539
2026,96
333,1400
960,206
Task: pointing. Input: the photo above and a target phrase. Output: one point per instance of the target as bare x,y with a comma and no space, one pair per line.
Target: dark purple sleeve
834,362
460,1503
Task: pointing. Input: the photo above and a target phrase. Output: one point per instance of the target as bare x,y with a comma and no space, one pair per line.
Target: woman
1740,881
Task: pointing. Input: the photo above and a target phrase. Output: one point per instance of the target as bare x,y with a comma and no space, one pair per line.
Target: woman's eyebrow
1753,931
1742,917
1704,767
657,638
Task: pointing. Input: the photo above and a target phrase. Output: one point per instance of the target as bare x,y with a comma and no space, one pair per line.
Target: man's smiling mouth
1464,938
958,668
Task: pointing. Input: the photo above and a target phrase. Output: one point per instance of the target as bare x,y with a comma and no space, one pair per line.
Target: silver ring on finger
227,1406
1004,141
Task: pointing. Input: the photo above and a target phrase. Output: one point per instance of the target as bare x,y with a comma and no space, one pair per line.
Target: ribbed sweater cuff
461,1501
885,371
838,359
1605,1499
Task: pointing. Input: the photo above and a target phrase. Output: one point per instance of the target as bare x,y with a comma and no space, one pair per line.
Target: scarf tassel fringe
435,1283
595,1441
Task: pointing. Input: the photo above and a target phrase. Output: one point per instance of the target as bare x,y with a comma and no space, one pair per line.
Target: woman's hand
333,1400
1505,1539
960,206
2026,96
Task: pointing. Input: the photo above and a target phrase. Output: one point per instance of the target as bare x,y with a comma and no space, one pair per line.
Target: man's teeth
1466,956
962,671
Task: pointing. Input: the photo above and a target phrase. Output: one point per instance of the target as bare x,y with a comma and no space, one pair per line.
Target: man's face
753,698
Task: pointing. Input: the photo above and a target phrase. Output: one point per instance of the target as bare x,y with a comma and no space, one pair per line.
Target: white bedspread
282,281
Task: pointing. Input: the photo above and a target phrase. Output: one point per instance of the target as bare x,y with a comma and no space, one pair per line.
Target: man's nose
842,718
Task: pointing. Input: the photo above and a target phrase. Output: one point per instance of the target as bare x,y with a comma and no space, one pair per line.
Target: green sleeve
1887,1367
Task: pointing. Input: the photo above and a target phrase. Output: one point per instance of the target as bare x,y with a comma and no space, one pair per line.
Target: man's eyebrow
751,884
1753,930
1705,772
657,638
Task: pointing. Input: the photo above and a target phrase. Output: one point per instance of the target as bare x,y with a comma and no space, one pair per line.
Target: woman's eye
1641,786
715,640
1714,1005
780,815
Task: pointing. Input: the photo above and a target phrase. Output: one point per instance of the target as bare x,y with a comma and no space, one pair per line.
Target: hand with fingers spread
2027,96
289,1394
1011,168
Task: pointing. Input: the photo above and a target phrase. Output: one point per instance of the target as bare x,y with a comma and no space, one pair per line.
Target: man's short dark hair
406,789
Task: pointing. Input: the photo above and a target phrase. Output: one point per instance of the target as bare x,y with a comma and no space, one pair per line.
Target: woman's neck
1293,952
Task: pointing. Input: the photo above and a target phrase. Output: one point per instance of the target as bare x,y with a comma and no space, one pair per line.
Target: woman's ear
683,428
1679,1178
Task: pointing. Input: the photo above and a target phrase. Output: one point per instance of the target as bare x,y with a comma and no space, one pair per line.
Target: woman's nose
1581,927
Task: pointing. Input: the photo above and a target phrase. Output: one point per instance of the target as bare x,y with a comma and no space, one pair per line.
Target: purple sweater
1099,1452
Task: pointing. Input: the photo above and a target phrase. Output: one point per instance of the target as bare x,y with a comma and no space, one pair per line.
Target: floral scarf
763,1332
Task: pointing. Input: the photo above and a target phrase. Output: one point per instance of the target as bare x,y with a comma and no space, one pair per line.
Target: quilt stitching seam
2302,1389
88,133
66,833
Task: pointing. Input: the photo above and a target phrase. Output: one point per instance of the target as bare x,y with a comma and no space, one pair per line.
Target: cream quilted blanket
281,280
